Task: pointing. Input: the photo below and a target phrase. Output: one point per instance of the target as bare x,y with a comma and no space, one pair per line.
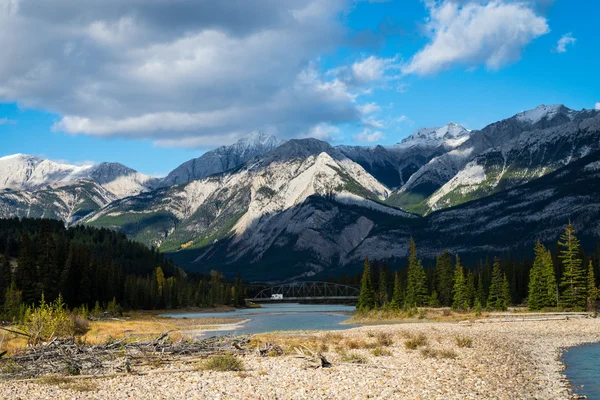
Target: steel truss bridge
307,291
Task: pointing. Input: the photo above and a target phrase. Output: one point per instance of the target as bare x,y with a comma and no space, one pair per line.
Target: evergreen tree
366,298
382,293
470,288
238,292
397,299
27,272
573,282
542,282
591,289
434,300
444,277
480,293
498,298
416,289
460,298
5,274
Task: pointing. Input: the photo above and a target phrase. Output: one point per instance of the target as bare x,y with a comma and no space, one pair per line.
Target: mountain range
280,210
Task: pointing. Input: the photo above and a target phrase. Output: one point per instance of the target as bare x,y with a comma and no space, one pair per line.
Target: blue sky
153,84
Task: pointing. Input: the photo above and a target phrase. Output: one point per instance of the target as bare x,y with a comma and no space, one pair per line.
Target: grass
380,352
416,342
421,315
434,353
77,385
223,363
463,341
354,358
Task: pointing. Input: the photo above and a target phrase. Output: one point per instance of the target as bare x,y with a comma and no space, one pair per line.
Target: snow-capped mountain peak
436,136
544,112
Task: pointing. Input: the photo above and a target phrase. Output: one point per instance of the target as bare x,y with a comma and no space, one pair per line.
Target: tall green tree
5,274
498,297
542,282
397,298
382,293
366,298
444,278
27,271
460,298
238,292
480,293
471,288
416,287
573,282
591,288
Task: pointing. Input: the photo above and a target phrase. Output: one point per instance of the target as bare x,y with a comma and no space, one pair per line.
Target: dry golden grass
11,342
78,385
422,315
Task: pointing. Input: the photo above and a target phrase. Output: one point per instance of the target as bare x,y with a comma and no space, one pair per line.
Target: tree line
551,280
88,265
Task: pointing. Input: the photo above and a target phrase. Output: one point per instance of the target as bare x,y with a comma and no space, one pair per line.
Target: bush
433,353
415,342
463,341
379,352
384,339
223,363
80,324
48,321
354,358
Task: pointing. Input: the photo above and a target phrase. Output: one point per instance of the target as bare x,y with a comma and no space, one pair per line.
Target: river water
281,317
583,369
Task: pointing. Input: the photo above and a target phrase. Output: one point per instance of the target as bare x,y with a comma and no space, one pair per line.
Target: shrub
48,321
415,342
384,339
223,363
354,358
379,352
433,353
463,341
80,324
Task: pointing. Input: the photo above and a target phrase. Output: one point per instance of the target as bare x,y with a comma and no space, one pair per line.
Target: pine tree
238,292
591,289
397,299
498,298
366,298
444,277
460,298
542,282
27,272
470,288
416,289
573,282
480,293
382,294
5,274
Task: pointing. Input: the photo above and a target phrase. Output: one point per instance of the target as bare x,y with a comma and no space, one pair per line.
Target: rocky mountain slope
501,155
222,159
394,165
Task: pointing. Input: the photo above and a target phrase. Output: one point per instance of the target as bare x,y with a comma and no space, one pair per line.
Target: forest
565,278
92,267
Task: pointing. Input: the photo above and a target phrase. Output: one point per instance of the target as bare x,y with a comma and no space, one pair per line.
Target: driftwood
313,359
66,356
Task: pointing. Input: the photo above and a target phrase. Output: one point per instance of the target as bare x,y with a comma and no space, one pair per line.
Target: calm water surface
282,317
583,369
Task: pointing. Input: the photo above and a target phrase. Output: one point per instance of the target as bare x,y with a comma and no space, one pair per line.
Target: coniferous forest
562,278
88,266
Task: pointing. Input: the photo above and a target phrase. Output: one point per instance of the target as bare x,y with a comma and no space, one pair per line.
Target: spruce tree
444,277
470,288
397,299
591,289
460,298
238,292
573,282
27,272
5,274
366,298
382,293
416,289
497,298
480,293
542,283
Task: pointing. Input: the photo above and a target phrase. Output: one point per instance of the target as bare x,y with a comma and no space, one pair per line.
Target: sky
152,84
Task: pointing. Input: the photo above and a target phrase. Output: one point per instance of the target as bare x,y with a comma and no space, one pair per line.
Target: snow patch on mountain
451,134
543,112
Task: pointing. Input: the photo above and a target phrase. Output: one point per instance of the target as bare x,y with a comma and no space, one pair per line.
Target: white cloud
564,41
598,106
402,118
367,136
189,73
492,33
322,132
369,108
373,123
6,121
368,70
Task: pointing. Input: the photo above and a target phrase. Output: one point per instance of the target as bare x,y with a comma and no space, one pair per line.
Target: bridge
307,291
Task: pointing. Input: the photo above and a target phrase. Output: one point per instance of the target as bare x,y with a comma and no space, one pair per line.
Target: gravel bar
512,360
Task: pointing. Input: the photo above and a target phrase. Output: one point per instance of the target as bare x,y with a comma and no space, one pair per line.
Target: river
583,369
281,317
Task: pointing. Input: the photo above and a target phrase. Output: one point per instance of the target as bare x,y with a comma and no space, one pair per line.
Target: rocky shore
511,360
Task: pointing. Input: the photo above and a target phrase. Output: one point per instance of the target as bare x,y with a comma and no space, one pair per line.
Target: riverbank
425,360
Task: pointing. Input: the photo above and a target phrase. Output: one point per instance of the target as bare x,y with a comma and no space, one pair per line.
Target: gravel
513,360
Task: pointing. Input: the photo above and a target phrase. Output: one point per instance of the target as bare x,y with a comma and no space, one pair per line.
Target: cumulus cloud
369,108
492,33
598,106
564,41
189,73
368,136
